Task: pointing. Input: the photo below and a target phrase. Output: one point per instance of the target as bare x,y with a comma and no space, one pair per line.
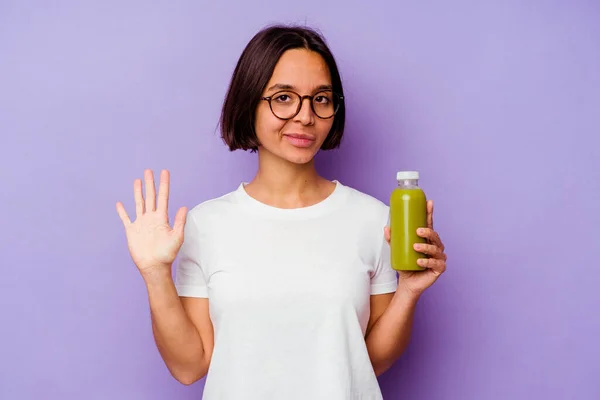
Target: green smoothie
408,212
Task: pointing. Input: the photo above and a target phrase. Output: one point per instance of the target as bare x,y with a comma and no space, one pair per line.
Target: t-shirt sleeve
190,279
384,278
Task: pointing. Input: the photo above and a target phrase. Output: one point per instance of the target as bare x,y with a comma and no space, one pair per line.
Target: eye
323,98
282,98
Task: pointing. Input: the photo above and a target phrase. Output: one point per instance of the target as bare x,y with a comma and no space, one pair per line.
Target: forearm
177,339
390,335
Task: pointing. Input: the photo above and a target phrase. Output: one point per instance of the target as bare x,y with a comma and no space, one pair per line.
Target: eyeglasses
287,104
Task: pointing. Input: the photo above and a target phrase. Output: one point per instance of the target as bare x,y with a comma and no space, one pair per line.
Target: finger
430,250
430,214
123,214
179,222
387,233
163,191
138,197
432,236
150,190
436,266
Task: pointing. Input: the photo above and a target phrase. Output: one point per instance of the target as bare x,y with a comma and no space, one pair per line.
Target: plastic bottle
408,212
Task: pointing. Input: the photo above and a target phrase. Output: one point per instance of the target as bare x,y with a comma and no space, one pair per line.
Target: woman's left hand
417,281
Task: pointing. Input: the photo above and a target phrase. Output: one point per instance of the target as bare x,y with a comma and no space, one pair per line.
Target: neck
283,184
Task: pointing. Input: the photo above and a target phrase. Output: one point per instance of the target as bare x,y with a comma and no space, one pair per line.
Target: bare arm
389,328
181,326
182,329
392,315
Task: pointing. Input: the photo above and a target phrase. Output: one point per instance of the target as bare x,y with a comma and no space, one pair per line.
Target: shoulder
367,206
216,208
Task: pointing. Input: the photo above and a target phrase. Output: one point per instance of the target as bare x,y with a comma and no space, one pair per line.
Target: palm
151,241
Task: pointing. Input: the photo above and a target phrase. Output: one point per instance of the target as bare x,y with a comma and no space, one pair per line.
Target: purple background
498,106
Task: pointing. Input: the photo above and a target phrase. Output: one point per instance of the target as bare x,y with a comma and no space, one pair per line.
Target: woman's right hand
152,243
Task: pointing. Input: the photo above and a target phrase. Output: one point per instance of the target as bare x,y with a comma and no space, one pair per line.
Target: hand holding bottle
417,252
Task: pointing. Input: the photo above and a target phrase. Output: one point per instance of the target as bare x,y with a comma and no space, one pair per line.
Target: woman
283,287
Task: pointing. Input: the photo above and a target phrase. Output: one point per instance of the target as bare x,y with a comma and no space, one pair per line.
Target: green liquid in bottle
408,212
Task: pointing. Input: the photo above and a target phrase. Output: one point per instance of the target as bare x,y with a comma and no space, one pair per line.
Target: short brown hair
252,73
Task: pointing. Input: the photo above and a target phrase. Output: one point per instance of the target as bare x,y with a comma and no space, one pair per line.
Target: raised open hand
152,243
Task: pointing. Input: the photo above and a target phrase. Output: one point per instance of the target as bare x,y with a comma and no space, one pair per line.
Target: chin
291,154
300,158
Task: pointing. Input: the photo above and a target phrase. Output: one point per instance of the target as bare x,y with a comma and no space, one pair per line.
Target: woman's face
298,139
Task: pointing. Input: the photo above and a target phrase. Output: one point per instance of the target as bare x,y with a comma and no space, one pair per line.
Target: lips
299,139
299,136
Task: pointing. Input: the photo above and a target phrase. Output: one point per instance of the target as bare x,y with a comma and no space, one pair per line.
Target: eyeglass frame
302,98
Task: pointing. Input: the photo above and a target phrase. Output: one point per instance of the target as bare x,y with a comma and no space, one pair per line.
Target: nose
305,116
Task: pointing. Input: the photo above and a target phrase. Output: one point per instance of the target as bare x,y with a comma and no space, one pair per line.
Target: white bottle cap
404,175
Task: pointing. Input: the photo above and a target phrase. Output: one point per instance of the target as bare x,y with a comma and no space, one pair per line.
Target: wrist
156,275
406,296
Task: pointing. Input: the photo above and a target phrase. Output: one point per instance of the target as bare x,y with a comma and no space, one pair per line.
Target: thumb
179,222
387,231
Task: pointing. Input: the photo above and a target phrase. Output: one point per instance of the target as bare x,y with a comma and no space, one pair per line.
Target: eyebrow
283,86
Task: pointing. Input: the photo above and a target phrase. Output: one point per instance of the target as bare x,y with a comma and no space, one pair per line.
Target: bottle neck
408,183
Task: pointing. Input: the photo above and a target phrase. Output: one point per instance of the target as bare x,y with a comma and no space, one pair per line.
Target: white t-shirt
289,293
